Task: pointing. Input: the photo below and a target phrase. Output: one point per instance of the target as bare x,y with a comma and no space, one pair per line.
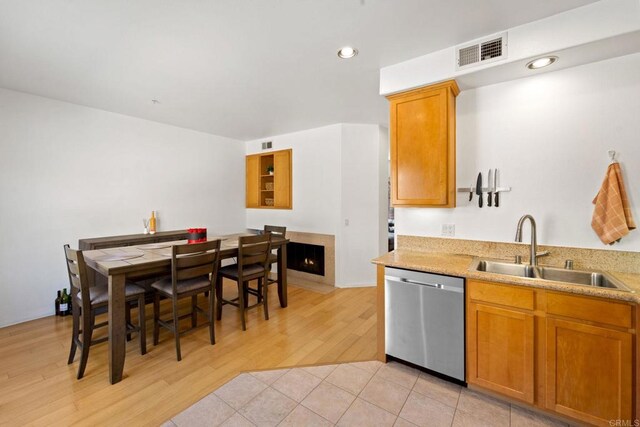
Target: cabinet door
282,179
423,147
253,181
500,353
589,372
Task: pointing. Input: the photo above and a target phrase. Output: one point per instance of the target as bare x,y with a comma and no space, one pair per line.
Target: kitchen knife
479,189
495,186
489,183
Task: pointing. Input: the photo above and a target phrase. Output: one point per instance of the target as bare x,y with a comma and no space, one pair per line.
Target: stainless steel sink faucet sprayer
533,257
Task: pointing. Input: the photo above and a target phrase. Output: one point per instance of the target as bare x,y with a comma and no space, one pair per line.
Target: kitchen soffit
237,68
595,32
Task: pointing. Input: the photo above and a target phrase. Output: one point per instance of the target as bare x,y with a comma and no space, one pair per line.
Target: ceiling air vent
267,145
482,51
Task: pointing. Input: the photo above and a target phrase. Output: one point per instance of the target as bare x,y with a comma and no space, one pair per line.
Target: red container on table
197,235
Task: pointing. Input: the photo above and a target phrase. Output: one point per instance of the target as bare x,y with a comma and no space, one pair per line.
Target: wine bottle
152,223
57,303
65,303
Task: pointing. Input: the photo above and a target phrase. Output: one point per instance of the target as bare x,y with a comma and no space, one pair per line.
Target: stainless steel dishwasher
424,316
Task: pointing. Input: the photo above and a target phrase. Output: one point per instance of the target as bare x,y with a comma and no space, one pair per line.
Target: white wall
316,181
364,201
68,172
336,170
549,135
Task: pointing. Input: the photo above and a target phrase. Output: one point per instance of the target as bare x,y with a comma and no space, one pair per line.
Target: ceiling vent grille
267,145
483,51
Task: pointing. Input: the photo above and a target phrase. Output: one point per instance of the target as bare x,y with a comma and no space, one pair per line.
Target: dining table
133,263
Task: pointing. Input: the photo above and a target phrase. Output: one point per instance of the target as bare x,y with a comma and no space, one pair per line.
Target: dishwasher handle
427,284
415,282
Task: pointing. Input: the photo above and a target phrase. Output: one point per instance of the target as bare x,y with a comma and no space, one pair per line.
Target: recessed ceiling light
541,62
347,52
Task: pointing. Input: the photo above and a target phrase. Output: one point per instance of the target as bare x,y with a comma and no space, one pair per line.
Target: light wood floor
37,387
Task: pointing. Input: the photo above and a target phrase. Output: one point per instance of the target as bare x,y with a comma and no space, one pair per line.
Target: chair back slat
253,259
73,267
195,260
254,249
78,281
75,282
192,272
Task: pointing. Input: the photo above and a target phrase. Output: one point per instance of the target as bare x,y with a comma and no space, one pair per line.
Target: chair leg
212,332
260,290
156,317
127,319
194,312
245,292
74,334
241,292
87,329
219,297
142,333
265,299
176,327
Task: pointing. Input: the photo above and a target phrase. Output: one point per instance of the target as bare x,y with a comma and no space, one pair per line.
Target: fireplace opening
306,258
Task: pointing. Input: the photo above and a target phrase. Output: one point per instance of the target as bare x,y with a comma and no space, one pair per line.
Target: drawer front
509,295
590,309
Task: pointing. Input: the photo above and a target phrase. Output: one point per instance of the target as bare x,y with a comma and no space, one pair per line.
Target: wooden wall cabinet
565,353
423,146
269,190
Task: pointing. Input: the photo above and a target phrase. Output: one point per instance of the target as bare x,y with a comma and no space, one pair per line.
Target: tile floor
351,394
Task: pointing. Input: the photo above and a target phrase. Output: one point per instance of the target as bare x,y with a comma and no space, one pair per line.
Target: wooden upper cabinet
253,180
269,180
282,179
423,146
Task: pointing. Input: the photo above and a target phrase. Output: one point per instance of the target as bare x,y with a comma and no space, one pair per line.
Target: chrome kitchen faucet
534,241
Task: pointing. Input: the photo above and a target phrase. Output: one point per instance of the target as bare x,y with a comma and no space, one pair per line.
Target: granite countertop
458,265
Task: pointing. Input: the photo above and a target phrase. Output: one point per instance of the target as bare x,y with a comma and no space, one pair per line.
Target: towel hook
612,155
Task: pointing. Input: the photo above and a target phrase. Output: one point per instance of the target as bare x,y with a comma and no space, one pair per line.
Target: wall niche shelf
266,190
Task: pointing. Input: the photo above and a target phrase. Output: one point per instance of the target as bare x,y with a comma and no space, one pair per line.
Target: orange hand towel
612,216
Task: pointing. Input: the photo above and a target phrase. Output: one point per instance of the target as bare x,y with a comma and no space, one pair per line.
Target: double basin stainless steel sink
594,278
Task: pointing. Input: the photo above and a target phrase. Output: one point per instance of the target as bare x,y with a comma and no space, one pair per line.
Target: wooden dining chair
194,270
87,301
253,264
275,230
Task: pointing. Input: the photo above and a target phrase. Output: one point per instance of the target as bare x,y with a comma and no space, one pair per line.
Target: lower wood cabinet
570,354
589,371
500,339
500,343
